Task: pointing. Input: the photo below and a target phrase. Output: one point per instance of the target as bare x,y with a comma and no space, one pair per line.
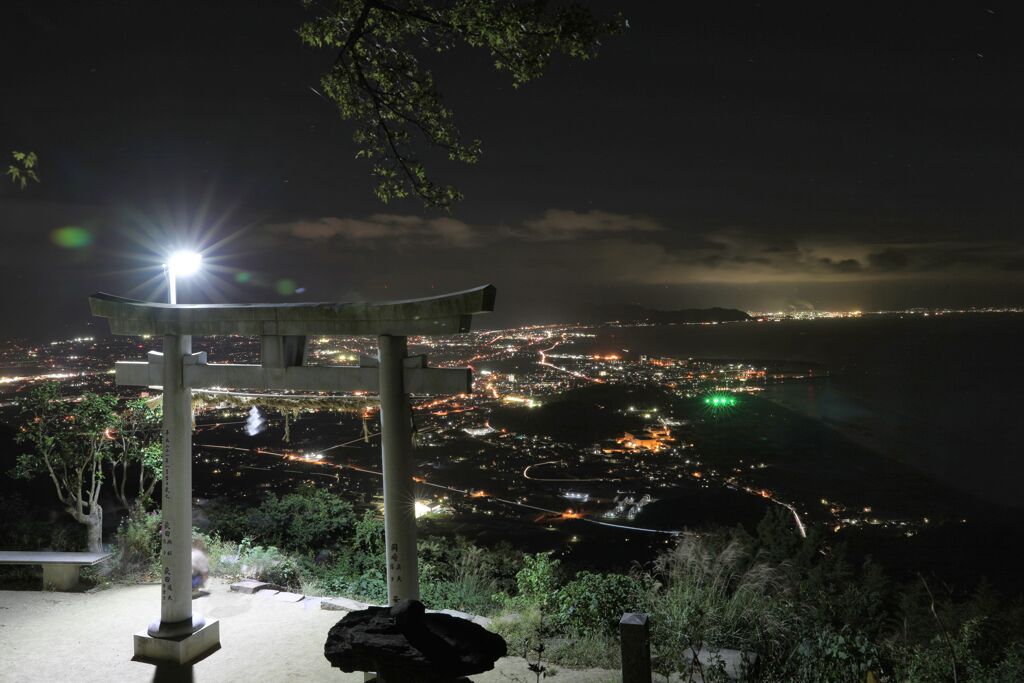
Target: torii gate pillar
399,497
179,635
176,618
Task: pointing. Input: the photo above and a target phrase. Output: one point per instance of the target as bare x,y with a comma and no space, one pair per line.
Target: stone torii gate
179,635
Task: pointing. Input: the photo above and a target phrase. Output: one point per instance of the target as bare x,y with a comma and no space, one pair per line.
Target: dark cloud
847,265
383,229
558,224
632,250
889,259
926,258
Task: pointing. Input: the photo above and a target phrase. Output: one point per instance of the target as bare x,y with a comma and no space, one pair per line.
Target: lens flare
72,237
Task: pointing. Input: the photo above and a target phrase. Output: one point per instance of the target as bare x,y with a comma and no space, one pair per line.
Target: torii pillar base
179,650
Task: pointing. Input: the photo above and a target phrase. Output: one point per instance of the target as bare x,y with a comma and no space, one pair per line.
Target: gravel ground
84,637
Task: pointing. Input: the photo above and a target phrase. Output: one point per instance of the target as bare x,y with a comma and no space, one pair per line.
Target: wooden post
635,636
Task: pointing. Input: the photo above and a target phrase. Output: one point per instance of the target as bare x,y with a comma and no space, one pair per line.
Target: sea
941,393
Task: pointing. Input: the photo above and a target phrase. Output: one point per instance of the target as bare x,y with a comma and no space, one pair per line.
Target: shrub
521,629
830,655
536,583
933,662
305,521
473,592
456,574
222,555
594,603
351,573
586,649
267,563
369,535
370,586
137,545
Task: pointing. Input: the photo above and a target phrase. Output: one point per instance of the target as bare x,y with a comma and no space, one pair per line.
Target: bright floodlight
184,262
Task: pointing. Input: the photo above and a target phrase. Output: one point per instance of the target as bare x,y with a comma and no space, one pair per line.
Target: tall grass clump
716,595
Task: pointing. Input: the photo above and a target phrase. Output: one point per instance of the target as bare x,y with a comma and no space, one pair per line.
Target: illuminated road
336,477
544,361
762,493
442,487
526,474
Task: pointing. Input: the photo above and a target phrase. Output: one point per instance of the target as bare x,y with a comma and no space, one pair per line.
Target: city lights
513,468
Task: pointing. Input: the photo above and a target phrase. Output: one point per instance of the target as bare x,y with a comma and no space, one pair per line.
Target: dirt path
82,637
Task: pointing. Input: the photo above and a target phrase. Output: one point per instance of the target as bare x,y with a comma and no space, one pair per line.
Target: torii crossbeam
179,635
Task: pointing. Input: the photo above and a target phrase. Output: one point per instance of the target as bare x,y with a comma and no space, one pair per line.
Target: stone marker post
635,636
396,449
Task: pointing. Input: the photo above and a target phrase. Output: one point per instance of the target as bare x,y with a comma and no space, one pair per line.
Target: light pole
180,263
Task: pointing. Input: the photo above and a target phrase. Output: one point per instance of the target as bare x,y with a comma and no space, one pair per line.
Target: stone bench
60,570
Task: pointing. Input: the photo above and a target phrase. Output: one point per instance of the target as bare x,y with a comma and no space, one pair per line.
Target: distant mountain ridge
638,313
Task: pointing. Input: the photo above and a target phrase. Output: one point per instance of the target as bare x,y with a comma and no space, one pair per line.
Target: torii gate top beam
445,314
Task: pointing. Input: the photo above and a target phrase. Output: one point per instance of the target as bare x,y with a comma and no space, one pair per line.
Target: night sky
754,155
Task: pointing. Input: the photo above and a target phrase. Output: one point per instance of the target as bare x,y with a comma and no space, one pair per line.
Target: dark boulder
404,643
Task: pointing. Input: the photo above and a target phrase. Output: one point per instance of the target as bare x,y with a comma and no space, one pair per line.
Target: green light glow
243,277
285,286
720,400
71,237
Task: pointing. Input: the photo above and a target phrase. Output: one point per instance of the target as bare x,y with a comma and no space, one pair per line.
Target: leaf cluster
23,169
304,521
68,440
136,437
379,79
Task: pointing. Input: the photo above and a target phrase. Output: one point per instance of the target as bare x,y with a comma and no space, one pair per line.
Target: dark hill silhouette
638,313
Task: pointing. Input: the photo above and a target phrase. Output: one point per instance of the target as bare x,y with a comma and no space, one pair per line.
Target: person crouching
200,565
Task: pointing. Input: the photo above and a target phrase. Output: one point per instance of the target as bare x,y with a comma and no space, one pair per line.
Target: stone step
342,604
251,586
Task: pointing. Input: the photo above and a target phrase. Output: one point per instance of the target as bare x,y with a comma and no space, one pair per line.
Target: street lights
180,263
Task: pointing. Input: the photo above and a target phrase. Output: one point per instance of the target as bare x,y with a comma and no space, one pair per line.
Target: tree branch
942,627
413,15
357,31
389,135
53,475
